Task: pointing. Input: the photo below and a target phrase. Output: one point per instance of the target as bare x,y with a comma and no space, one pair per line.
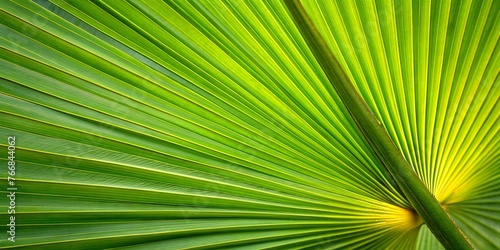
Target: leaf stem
426,205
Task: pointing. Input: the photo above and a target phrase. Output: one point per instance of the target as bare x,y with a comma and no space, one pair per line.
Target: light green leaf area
148,124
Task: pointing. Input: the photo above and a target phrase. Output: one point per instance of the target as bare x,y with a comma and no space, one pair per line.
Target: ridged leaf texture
148,124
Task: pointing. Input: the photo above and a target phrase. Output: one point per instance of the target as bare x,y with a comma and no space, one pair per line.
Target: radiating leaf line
438,221
179,110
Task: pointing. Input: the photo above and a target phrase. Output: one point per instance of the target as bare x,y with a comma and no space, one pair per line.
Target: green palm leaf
209,124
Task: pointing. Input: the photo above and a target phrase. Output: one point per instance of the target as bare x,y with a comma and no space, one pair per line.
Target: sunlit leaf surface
209,124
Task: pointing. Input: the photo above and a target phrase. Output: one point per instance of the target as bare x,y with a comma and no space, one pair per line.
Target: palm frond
210,124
